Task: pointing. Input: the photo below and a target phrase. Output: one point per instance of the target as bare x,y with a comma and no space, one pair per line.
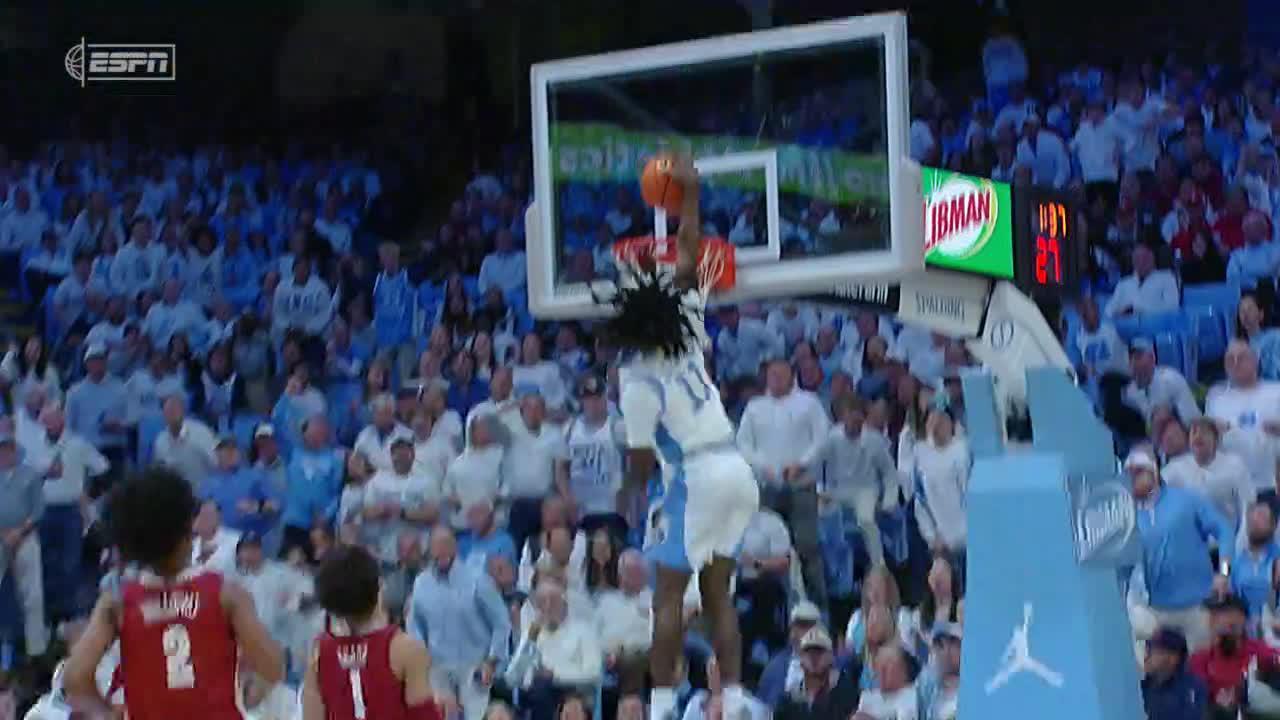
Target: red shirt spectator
1224,665
1229,227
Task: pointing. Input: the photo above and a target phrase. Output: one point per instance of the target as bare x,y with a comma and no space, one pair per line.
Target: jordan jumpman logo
1017,658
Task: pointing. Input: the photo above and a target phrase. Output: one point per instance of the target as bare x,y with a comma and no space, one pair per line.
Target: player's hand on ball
683,169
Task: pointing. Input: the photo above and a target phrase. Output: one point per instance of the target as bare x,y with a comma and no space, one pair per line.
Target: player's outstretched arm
312,702
261,653
410,659
689,236
79,674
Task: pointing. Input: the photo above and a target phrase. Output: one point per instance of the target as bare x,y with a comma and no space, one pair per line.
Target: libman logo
966,223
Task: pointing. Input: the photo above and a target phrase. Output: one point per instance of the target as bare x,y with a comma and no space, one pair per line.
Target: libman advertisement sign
968,223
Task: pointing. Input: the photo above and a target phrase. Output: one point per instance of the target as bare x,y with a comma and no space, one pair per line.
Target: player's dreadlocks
650,313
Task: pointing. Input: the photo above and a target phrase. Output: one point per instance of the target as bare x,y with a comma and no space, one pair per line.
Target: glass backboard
799,133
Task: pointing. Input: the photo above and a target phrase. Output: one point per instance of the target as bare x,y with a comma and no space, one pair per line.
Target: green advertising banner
594,153
968,223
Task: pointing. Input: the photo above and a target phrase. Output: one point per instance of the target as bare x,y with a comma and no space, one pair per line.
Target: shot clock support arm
1001,327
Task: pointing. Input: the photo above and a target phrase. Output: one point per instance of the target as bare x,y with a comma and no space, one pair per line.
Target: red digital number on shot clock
1053,225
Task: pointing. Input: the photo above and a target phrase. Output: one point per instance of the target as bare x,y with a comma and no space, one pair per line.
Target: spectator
941,466
791,323
394,303
484,537
623,622
537,548
1247,410
939,684
173,314
475,476
21,511
242,500
1169,690
1147,291
1253,567
432,452
532,374
744,343
1220,477
536,465
332,228
466,390
764,566
213,544
314,477
299,401
1251,325
137,266
1175,526
1097,146
32,367
1155,386
186,444
97,408
398,500
1044,152
594,442
777,433
505,268
557,654
375,440
783,670
857,472
1224,664
302,303
457,612
68,463
1259,257
895,697
940,607
398,581
823,692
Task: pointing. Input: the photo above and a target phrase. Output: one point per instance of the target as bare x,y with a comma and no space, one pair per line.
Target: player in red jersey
182,631
363,666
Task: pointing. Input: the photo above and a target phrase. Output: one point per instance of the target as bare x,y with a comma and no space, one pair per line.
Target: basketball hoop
716,268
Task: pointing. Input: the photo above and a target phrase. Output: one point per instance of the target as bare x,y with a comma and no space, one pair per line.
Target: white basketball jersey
595,465
673,406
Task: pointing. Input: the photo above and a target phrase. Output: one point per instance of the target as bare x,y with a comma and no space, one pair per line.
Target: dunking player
670,405
362,665
183,631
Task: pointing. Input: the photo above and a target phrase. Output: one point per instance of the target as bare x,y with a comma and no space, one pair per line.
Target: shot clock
1049,251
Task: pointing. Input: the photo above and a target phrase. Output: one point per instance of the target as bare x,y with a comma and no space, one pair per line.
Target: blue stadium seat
1224,296
1171,322
1128,327
1209,328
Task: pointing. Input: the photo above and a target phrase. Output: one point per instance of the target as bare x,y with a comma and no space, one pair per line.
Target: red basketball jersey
355,676
178,651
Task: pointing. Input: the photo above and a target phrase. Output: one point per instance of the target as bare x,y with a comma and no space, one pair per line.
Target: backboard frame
755,279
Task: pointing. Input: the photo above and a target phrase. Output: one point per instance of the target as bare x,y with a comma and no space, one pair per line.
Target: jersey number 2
180,674
700,395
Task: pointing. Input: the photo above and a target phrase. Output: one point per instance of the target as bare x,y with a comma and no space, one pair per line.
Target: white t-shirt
528,470
1245,411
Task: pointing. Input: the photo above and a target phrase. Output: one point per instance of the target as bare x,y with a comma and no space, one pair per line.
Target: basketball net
716,268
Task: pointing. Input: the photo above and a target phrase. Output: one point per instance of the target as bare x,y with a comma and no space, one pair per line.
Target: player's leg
717,604
668,639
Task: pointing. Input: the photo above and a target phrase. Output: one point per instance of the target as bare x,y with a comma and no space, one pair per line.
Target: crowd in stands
220,310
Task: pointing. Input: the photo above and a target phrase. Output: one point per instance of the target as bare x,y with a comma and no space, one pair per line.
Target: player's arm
641,403
79,676
262,654
689,236
412,663
312,702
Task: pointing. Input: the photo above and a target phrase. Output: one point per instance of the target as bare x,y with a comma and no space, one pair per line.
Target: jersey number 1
702,393
357,694
180,674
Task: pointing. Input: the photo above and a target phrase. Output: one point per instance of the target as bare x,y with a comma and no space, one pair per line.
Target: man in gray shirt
21,507
857,471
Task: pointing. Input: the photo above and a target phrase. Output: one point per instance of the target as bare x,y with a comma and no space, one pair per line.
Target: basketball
658,188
